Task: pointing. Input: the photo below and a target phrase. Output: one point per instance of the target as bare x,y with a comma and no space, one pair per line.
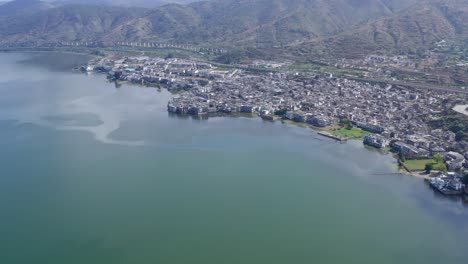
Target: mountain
410,31
262,23
174,23
22,7
126,3
341,28
73,22
399,5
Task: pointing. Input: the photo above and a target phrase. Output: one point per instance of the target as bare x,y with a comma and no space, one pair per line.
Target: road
416,85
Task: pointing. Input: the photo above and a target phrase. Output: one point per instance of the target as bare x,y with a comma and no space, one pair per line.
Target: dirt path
415,174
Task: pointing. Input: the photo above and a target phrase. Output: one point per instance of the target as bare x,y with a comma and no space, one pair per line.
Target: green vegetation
290,122
319,67
402,157
239,55
429,167
453,121
438,158
346,123
441,167
418,165
353,133
465,179
281,112
437,163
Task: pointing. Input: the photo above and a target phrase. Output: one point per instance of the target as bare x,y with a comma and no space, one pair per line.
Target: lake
95,173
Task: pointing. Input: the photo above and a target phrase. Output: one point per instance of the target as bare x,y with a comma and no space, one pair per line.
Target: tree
429,167
460,136
442,167
438,159
203,83
345,122
401,156
465,179
281,112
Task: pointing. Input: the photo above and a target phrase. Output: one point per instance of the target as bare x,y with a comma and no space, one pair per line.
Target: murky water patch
78,119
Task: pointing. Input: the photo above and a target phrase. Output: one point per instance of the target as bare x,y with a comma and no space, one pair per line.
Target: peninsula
413,122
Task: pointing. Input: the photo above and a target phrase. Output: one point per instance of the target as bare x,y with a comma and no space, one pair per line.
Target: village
391,117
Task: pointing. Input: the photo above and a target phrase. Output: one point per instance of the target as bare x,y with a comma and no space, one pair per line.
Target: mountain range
410,31
334,27
23,7
123,3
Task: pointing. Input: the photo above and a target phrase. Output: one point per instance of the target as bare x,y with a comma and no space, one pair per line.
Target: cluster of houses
374,62
173,73
397,117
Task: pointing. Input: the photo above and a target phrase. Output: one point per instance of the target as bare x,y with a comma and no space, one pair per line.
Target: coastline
415,174
32,50
317,131
324,132
202,113
232,170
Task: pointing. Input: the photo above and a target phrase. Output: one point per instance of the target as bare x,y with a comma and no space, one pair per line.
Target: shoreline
415,174
321,131
201,113
325,133
50,51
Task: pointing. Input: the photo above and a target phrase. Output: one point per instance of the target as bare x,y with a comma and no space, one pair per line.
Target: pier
328,135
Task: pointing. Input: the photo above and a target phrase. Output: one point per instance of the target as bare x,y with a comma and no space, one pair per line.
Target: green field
419,165
354,133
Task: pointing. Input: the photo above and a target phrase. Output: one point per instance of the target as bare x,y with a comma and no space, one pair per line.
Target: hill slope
413,30
22,7
75,22
263,23
125,3
259,22
340,28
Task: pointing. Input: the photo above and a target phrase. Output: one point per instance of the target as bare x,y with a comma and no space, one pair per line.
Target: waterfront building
454,161
407,150
375,141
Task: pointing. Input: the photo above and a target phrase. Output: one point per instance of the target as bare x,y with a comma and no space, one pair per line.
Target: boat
90,68
268,117
447,186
